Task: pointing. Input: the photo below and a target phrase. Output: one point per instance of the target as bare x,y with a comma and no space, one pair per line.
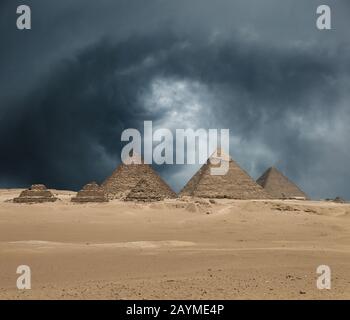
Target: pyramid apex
273,168
220,154
135,158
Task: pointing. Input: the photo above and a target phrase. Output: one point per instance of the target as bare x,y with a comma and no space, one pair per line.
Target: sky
87,70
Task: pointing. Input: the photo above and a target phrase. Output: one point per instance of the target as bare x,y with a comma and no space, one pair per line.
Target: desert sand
174,249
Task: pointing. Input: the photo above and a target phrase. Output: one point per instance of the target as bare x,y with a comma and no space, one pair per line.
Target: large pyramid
127,176
235,184
279,186
91,192
37,193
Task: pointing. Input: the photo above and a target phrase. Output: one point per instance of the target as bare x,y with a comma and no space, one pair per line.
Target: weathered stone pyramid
127,176
37,193
91,192
151,188
235,184
279,186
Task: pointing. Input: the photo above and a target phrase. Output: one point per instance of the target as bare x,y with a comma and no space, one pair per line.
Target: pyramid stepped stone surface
150,188
128,175
279,186
235,184
37,193
124,178
91,192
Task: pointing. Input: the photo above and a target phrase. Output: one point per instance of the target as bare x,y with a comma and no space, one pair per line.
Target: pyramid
235,184
279,186
91,192
37,193
151,188
128,175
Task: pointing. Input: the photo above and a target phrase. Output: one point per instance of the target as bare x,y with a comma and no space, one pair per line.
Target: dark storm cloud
65,131
280,86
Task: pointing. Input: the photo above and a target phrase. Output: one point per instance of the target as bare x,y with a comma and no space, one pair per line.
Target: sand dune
175,249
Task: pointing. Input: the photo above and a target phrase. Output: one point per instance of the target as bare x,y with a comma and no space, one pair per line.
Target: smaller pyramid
339,200
37,193
91,192
279,186
150,188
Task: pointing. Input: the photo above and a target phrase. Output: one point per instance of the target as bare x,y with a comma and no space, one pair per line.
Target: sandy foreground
174,249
